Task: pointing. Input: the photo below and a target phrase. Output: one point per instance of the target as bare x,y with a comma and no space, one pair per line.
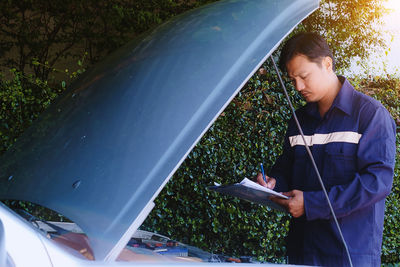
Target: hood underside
104,150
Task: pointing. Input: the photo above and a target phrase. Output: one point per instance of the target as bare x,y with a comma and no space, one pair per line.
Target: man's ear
327,63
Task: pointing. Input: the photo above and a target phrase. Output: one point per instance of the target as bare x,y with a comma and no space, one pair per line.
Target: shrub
23,98
248,132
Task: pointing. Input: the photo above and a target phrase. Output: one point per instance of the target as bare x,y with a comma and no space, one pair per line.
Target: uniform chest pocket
340,163
299,167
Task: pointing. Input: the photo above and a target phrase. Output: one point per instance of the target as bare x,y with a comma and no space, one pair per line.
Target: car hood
104,150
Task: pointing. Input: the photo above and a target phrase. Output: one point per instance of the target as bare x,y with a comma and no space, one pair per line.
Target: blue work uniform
354,147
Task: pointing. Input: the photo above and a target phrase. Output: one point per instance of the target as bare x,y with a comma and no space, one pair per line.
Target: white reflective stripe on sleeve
321,139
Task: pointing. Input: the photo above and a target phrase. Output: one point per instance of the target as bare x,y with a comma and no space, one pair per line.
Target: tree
350,27
39,36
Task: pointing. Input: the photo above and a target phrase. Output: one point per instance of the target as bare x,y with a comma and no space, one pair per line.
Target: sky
391,31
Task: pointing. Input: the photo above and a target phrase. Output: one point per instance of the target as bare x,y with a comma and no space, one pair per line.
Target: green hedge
22,99
248,132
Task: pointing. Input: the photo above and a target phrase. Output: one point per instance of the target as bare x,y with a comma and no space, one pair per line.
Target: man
352,139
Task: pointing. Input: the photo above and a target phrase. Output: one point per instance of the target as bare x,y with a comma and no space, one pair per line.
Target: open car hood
105,149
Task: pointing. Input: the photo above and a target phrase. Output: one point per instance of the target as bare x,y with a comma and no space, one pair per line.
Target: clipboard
250,191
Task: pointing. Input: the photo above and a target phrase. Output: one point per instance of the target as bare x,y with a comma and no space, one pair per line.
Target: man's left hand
294,205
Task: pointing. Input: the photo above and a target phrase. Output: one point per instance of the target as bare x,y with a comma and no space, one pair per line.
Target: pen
262,170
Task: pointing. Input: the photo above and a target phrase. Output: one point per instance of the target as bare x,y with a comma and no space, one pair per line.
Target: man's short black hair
311,45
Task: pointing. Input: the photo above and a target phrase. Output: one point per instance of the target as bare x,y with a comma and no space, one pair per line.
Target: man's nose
299,85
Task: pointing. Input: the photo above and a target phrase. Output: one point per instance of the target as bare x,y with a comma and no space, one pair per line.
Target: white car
104,150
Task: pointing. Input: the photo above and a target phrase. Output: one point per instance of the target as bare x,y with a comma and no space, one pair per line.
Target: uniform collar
343,100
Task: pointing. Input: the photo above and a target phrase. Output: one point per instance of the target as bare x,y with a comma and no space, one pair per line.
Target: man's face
309,78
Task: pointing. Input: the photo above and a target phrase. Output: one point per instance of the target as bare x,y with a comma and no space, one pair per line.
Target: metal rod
312,160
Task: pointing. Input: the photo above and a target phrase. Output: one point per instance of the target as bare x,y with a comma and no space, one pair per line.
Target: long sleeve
374,176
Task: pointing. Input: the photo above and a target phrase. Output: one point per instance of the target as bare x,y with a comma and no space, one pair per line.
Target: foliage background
45,45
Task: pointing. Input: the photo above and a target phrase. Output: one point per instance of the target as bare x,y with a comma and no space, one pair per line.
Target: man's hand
270,181
294,205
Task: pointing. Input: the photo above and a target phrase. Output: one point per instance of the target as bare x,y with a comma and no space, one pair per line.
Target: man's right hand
270,181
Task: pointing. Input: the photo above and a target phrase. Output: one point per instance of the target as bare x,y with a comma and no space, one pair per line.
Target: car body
103,151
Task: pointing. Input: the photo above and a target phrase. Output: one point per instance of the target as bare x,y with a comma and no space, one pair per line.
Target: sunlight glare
394,5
